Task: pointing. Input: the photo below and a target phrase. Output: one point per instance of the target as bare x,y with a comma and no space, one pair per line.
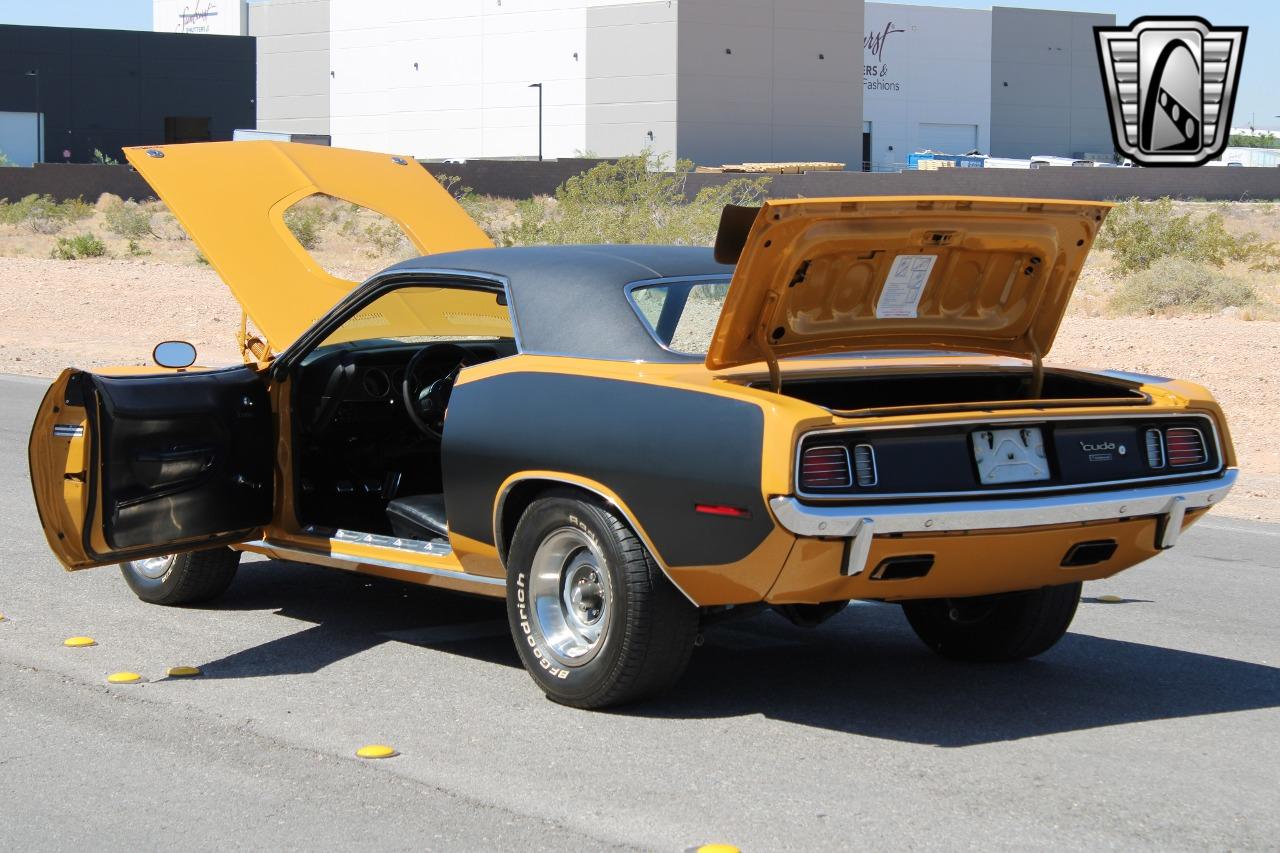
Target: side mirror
177,354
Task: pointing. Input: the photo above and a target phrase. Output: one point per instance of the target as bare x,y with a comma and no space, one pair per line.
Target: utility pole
538,86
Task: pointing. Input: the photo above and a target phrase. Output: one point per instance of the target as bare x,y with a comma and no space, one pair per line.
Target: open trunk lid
988,275
232,196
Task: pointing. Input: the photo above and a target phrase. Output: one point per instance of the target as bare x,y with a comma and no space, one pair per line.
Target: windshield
681,315
417,314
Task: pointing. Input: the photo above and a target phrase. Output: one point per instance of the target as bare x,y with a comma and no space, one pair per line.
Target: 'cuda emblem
1101,451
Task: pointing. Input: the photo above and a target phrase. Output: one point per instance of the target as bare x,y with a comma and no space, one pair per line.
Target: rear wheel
995,628
177,579
595,620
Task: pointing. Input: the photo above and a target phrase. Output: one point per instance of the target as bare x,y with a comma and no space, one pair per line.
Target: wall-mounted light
415,66
822,56
728,50
650,135
331,74
575,56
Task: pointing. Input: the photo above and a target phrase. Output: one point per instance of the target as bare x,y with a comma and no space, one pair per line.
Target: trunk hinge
762,329
252,348
1037,368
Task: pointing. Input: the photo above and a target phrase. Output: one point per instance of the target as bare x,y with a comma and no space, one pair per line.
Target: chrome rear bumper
863,523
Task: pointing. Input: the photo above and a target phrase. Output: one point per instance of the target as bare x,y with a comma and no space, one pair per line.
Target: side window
681,315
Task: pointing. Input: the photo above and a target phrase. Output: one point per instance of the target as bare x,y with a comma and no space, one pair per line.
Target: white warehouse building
714,81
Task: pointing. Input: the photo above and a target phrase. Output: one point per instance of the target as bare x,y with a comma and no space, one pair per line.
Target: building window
186,129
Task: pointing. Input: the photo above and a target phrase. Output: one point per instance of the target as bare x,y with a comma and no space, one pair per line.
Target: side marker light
721,509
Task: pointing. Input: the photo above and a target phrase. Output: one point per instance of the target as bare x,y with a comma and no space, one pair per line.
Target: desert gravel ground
103,312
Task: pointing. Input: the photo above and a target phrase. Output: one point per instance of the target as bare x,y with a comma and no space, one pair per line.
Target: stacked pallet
774,168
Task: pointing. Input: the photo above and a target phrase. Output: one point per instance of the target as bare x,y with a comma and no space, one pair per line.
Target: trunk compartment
957,389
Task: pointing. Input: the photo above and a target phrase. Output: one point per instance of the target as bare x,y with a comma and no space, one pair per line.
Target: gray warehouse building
66,92
714,81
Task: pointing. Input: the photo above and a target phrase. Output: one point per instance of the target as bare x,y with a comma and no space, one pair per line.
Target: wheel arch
520,490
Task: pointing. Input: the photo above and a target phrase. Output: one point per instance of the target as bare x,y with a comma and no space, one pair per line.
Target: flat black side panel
184,455
662,450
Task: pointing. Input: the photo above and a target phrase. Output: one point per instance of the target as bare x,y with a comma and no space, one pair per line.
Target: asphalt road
1153,725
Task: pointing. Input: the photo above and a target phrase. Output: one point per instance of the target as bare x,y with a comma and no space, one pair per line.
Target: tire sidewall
147,588
560,681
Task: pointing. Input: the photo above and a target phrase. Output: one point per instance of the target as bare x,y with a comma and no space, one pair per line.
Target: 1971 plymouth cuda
845,399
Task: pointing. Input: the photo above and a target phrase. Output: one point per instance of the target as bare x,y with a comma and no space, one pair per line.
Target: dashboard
349,385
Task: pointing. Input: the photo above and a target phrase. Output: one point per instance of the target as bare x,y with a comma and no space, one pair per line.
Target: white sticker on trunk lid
900,296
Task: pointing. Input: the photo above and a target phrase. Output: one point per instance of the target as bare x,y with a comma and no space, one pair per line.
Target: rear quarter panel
653,446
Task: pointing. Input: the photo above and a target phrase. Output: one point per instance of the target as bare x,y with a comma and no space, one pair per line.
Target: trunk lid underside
980,275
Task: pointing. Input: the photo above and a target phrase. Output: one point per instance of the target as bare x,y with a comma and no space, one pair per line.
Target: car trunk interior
956,388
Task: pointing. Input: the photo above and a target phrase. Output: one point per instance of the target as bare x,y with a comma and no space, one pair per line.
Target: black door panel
184,455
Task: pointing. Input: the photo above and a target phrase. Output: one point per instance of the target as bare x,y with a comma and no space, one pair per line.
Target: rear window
681,315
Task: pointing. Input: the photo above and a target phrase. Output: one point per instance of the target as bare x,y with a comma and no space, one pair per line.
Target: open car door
132,466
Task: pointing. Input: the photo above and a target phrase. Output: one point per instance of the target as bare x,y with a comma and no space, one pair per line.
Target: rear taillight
825,468
864,464
1185,447
1155,448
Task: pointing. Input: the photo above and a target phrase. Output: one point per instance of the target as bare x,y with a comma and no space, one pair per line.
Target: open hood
985,275
231,197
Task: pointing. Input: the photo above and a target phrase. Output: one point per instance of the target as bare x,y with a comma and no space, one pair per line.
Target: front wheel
995,628
177,579
596,621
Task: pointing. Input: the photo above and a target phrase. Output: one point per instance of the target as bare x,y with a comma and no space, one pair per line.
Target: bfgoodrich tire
595,620
995,628
177,579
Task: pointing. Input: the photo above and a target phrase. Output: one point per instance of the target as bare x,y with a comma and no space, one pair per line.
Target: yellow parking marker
183,671
1110,599
715,848
377,750
79,642
1,617
124,678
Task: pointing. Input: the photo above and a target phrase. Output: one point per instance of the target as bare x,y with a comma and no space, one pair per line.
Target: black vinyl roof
571,300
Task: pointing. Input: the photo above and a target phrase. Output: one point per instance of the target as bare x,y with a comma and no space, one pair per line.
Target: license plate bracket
1010,455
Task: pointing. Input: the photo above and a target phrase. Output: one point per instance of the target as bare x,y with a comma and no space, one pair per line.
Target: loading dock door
948,138
18,137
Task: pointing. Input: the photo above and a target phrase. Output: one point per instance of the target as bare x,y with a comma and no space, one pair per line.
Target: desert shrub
453,186
383,237
1178,285
39,213
632,200
201,260
167,227
79,246
1139,233
127,219
4,160
306,222
43,215
137,251
103,159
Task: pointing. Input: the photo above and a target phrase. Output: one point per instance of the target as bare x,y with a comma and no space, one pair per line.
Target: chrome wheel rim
572,595
152,568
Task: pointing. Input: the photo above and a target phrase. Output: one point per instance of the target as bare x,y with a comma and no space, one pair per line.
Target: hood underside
974,274
232,196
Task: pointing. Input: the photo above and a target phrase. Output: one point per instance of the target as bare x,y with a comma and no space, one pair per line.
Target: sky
1258,101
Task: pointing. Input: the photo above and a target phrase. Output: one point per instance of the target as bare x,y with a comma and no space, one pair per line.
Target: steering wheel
426,402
